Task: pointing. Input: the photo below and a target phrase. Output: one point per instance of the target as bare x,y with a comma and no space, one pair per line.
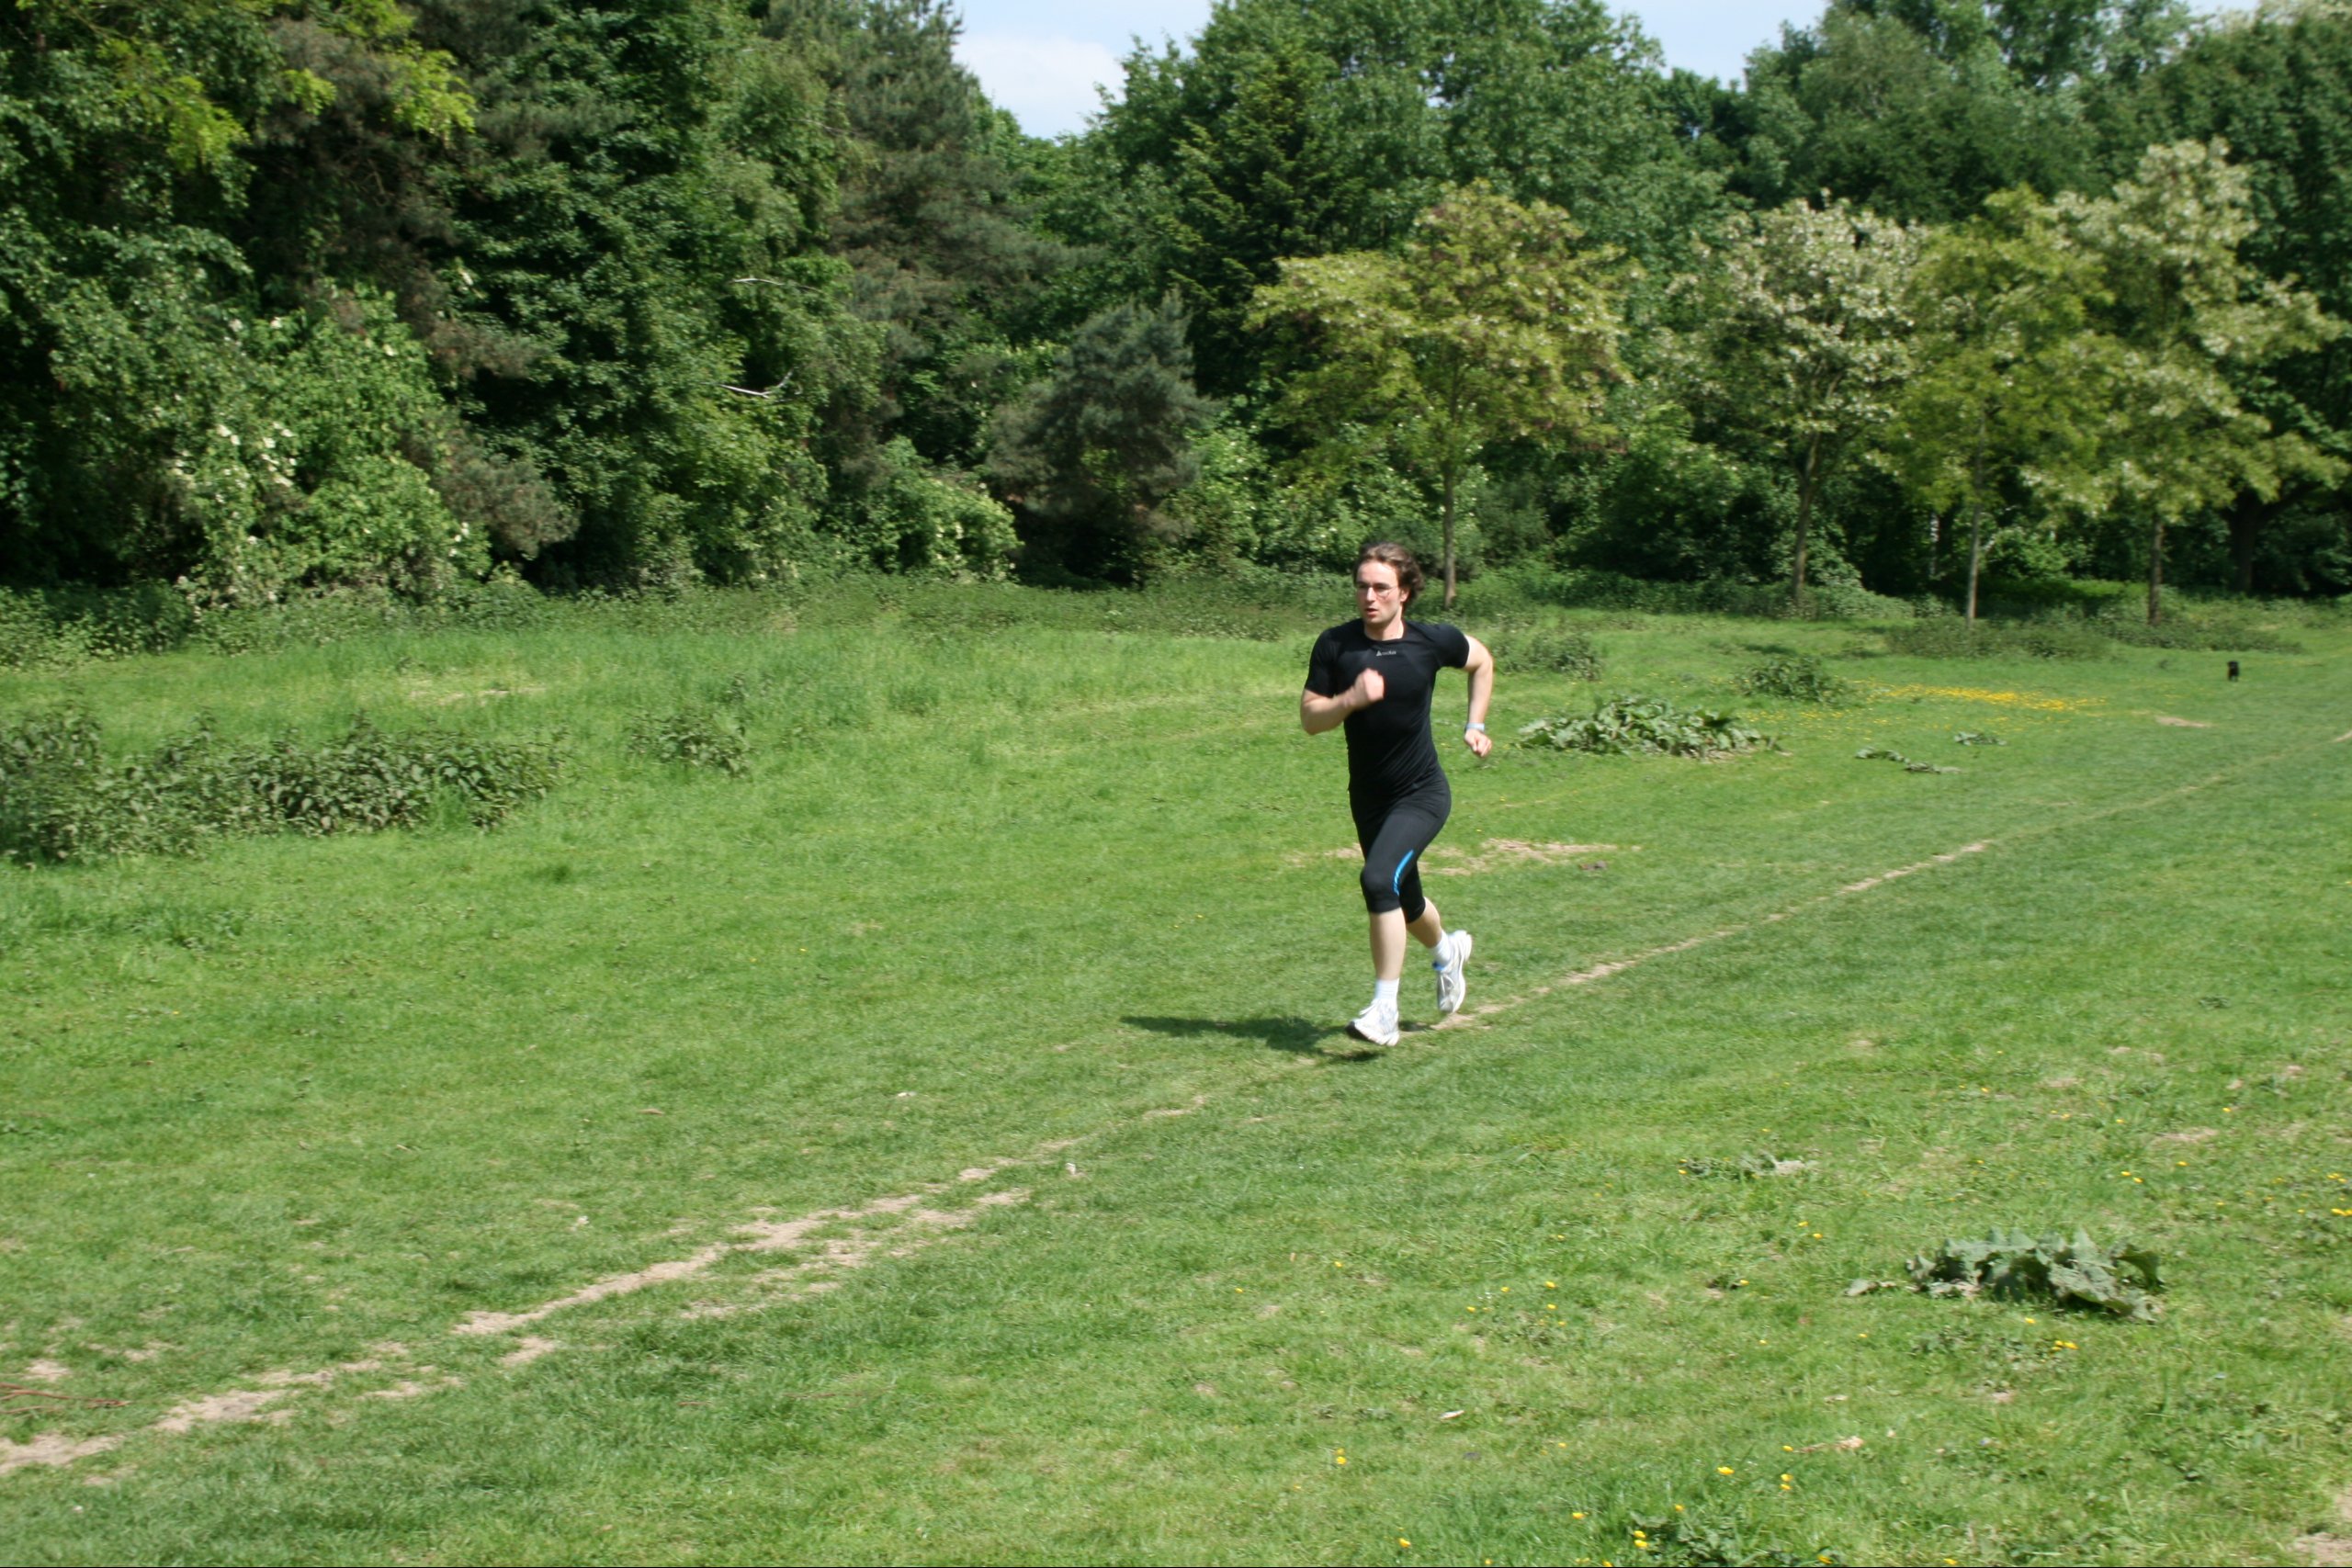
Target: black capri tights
1394,835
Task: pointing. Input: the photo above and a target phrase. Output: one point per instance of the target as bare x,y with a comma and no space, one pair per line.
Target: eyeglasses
1382,589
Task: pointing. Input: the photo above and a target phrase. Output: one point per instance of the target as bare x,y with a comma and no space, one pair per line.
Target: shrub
62,627
1596,590
61,800
691,737
1627,726
1798,677
1561,652
1949,637
2222,634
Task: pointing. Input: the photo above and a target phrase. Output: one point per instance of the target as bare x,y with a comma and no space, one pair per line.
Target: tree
1921,108
2183,310
930,220
1292,128
2006,385
2277,84
1799,339
1088,452
1496,321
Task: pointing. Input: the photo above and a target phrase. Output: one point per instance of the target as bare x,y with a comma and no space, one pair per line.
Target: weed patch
1797,678
691,737
2221,634
1631,725
1745,1167
1551,652
2071,1272
1889,754
1950,636
60,799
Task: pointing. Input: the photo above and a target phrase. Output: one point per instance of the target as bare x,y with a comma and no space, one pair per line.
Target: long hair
1390,554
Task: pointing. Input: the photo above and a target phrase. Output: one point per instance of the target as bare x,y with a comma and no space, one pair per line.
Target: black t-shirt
1390,755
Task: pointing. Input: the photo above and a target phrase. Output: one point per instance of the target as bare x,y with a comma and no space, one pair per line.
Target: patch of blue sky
1049,62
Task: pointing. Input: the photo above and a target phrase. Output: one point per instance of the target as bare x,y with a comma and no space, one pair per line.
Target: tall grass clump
62,800
1546,652
1950,636
1794,677
693,736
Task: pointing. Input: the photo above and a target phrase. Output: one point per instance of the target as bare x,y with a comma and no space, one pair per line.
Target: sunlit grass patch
1055,904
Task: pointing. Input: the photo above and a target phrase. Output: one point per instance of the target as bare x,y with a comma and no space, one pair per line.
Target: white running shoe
1453,977
1376,1025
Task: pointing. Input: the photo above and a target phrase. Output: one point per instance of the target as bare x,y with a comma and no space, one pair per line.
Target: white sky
1043,58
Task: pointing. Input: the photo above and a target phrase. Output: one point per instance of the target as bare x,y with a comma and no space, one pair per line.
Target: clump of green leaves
1559,652
1977,738
1745,1167
2072,1272
60,799
1631,725
1889,754
692,736
1796,677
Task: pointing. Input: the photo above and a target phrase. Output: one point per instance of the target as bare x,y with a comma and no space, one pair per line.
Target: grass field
939,1145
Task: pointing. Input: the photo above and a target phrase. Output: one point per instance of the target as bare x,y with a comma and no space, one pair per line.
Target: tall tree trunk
1975,557
1975,522
2155,572
1449,537
2246,520
1804,520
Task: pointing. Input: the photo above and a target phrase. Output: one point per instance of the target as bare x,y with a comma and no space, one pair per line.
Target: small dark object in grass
2233,669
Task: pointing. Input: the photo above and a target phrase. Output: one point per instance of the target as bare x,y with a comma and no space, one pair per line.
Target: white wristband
1474,724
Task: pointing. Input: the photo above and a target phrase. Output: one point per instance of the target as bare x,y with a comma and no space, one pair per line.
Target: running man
1376,675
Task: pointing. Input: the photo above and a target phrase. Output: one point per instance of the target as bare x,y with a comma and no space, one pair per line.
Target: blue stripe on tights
1396,883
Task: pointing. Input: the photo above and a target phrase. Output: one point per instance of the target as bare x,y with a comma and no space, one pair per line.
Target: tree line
315,294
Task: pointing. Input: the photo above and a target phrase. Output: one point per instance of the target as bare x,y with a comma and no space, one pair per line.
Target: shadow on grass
1299,1036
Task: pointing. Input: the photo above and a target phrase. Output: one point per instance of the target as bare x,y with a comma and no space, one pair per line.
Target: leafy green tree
2004,384
931,217
2276,84
1302,127
1496,323
1087,455
1799,337
1921,108
638,236
2183,309
127,309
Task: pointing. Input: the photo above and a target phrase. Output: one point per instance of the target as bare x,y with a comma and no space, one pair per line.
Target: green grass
1011,891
